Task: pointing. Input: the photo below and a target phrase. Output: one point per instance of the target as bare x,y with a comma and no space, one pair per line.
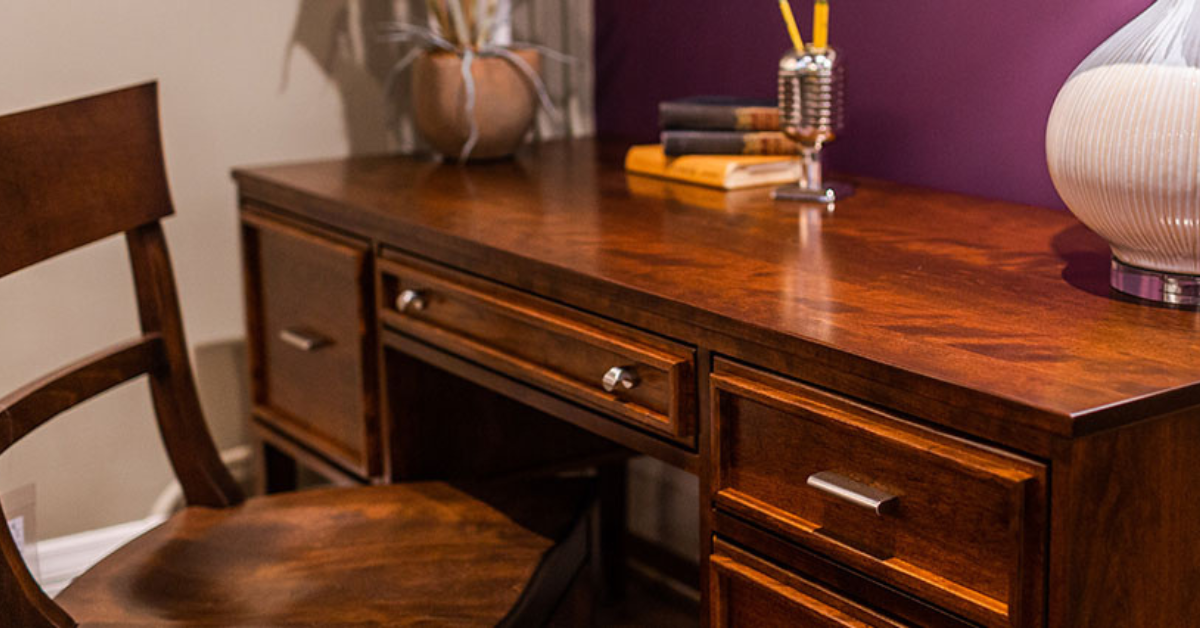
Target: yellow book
726,172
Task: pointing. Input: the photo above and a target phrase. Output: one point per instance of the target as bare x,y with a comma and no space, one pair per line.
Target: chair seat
415,554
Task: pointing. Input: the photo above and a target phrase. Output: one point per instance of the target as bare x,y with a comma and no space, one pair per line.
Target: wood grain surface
313,284
395,555
74,173
84,170
750,591
560,349
968,528
964,353
990,308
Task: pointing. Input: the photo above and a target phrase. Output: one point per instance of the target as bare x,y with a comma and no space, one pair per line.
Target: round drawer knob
620,377
410,301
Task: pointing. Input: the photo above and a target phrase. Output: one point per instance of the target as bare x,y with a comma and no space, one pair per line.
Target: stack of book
718,125
722,142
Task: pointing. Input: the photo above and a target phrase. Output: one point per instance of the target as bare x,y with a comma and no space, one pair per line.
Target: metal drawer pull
620,377
303,340
410,300
856,493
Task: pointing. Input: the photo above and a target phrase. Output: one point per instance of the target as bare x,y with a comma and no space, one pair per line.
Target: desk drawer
637,377
750,592
958,524
308,320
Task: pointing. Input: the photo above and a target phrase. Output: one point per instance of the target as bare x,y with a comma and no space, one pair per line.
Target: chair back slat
29,407
202,475
78,172
71,174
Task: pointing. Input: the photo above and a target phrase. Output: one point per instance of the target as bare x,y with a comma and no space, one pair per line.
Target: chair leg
609,554
578,606
277,470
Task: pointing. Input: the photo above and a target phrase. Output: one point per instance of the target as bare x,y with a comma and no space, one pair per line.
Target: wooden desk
1030,441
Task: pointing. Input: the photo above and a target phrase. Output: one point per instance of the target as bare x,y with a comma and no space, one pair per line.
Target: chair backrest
71,174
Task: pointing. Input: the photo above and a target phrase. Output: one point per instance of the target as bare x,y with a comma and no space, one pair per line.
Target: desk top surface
982,297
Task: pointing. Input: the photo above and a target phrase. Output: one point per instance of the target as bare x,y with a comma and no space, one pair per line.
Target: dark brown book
719,113
681,142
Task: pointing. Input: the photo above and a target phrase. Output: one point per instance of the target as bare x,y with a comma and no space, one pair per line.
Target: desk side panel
1125,536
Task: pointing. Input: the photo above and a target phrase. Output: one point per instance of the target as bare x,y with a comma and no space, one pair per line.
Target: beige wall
221,66
231,95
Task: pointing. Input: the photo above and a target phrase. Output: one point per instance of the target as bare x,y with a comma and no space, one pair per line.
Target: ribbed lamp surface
1123,140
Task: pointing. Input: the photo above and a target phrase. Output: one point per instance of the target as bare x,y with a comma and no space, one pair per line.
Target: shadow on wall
122,473
342,38
222,381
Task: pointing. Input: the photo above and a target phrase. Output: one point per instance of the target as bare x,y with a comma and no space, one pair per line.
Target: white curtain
565,26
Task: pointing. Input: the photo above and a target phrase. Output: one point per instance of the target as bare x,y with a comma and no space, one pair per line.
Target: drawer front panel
308,313
750,592
562,350
956,523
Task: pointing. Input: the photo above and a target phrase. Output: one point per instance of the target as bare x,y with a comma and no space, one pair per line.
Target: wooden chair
430,553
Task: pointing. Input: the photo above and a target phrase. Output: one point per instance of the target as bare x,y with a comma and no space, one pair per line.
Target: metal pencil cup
812,112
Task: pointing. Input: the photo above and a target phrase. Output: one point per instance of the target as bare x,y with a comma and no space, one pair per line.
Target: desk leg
612,485
277,472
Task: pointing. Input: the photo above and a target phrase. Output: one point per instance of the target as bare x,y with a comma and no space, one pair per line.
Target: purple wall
950,94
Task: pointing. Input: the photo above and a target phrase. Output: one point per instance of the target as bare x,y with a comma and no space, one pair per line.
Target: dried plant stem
461,36
469,19
437,8
488,9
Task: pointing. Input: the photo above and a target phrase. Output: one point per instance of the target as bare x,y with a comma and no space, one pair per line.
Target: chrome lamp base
828,193
1152,285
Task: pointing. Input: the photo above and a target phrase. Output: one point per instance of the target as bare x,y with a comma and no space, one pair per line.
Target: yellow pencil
790,20
821,25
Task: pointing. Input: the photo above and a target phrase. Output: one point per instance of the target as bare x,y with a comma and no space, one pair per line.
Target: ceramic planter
505,103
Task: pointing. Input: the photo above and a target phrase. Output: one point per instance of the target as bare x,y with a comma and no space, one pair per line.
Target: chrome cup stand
812,112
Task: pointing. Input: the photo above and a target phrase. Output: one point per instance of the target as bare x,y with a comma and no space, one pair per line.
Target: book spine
680,115
677,142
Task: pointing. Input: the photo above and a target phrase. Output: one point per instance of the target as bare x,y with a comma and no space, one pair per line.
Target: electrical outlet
21,505
16,527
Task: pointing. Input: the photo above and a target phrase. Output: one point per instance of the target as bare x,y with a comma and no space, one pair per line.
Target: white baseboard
61,560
